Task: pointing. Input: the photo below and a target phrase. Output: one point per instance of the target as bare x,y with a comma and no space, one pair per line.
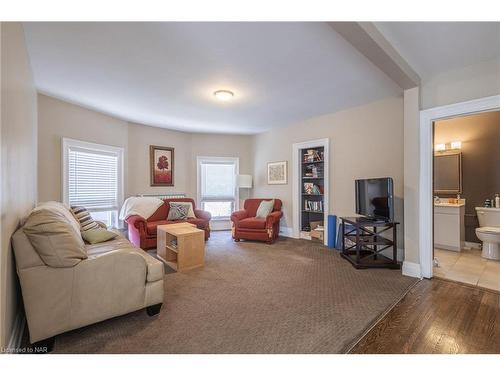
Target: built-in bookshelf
312,183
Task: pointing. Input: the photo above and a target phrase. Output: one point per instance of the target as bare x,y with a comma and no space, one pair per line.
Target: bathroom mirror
448,172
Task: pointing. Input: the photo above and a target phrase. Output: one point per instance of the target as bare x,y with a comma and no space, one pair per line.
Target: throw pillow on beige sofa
51,231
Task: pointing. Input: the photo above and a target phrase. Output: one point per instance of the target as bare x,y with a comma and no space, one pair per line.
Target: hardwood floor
438,316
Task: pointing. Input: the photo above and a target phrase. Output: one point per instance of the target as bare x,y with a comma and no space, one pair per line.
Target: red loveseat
248,227
142,232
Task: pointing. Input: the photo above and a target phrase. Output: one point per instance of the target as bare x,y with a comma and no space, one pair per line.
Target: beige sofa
109,279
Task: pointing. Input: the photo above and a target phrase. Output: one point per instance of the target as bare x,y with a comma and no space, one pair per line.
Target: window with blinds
217,186
93,178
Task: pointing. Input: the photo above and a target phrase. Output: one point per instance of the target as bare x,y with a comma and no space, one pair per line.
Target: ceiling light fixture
223,95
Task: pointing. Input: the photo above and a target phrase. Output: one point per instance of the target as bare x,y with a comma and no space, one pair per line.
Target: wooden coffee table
181,246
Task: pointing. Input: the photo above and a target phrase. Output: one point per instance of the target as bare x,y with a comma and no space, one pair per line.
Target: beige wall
59,119
459,85
222,145
411,174
18,160
365,141
140,138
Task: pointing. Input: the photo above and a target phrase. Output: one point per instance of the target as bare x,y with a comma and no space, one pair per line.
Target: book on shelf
314,171
312,189
313,205
313,155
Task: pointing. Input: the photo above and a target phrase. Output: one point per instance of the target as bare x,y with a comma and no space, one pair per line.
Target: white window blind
93,179
218,181
217,185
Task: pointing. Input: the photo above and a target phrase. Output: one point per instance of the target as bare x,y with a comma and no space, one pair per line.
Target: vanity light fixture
456,145
223,95
440,147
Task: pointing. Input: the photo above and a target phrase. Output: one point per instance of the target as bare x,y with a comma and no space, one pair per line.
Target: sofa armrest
239,215
136,221
108,284
100,287
272,218
200,214
123,259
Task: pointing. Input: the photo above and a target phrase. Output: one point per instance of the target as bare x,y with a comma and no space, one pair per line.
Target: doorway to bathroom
466,199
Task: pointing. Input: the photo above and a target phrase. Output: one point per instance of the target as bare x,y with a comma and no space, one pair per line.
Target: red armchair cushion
252,223
251,205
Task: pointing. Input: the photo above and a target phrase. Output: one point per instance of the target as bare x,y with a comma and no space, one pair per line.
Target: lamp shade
245,181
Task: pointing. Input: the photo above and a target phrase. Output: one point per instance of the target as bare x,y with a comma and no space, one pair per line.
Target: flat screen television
374,198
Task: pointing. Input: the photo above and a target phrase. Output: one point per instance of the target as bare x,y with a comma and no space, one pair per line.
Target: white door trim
427,118
296,204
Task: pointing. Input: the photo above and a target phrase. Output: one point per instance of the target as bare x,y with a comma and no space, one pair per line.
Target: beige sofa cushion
54,237
63,210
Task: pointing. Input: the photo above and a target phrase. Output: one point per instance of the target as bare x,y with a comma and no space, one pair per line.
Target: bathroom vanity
449,226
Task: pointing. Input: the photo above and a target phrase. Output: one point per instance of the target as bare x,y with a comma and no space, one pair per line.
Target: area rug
295,296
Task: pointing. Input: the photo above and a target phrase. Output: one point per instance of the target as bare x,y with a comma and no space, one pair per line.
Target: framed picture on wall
277,173
161,165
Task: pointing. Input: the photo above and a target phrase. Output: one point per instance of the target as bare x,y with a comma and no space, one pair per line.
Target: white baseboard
473,245
16,336
216,225
412,269
286,232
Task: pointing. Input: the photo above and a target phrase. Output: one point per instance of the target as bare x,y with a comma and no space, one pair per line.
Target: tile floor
468,267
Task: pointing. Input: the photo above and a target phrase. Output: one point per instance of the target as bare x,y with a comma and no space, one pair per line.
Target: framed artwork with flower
161,165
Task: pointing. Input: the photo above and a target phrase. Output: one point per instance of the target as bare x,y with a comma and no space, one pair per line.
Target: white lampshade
245,181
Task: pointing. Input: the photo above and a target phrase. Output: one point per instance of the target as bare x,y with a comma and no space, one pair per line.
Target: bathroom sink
445,203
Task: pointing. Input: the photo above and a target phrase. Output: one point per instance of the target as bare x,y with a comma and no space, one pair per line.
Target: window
217,192
93,178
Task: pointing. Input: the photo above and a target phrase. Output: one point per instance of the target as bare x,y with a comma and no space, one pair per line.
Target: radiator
163,196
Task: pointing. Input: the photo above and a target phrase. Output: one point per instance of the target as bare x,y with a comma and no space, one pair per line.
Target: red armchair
142,232
248,227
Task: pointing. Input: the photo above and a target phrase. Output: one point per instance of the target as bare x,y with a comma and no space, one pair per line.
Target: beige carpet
295,296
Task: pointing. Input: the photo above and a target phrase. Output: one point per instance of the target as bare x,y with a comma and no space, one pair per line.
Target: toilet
489,231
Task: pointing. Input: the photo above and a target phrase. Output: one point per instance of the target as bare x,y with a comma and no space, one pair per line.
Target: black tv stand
362,242
372,219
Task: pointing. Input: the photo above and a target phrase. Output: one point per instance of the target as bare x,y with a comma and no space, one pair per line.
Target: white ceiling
435,47
164,74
